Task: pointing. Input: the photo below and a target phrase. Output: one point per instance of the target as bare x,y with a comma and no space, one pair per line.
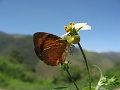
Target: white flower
77,27
83,26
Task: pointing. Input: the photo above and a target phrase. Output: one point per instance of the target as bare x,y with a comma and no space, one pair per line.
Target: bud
76,39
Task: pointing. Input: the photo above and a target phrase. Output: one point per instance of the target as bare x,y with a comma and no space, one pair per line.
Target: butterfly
51,49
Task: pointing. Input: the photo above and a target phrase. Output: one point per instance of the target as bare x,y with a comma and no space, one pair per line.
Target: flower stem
88,70
72,79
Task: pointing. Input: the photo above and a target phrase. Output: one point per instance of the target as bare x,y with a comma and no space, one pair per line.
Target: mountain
23,45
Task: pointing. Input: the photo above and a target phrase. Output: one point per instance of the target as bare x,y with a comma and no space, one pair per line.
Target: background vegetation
20,69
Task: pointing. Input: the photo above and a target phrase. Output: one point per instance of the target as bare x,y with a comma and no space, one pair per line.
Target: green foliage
15,70
86,88
115,70
63,76
16,76
3,80
17,56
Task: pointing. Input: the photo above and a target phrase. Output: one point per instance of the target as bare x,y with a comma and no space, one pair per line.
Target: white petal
83,25
65,34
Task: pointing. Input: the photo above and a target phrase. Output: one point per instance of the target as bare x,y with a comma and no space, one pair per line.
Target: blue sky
30,16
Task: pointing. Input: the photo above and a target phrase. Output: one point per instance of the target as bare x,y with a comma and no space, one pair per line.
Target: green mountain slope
23,45
20,68
20,43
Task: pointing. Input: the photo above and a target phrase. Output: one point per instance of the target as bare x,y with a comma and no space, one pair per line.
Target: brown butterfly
50,48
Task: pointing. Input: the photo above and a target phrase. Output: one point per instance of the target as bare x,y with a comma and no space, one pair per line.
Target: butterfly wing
49,48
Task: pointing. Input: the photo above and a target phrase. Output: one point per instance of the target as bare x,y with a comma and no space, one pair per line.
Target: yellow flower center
67,28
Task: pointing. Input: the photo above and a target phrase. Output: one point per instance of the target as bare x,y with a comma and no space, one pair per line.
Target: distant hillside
24,45
21,43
